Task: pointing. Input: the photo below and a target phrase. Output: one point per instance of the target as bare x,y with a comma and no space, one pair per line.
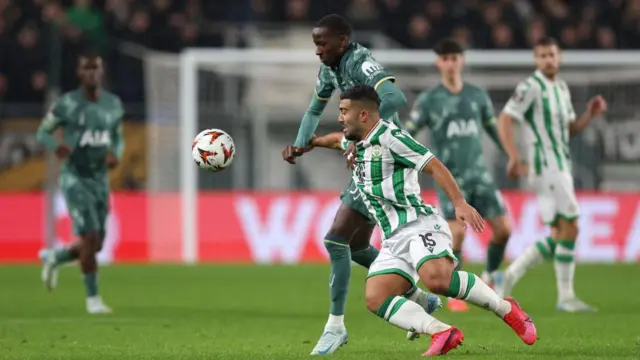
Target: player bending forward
416,240
543,103
345,64
454,112
84,128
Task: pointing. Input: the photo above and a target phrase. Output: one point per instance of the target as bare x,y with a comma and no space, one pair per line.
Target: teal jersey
357,66
91,129
454,122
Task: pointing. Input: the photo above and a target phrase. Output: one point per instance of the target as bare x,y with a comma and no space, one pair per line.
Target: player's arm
489,121
322,94
407,152
333,140
595,107
116,133
48,133
516,108
370,72
419,116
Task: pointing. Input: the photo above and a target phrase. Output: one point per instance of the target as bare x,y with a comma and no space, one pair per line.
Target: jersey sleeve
55,117
366,70
419,115
344,144
521,100
407,151
488,113
324,85
117,138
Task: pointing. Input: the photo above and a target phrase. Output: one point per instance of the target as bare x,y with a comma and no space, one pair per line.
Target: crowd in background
40,39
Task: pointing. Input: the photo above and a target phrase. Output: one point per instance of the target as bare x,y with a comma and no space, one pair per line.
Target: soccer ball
213,150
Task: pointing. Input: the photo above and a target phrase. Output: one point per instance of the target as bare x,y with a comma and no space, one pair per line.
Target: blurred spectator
88,22
536,31
27,79
502,37
420,33
364,14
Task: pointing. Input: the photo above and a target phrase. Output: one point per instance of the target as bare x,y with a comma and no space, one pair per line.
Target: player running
454,111
84,128
416,239
543,102
345,64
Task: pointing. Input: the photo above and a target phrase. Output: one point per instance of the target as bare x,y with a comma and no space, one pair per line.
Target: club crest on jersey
95,138
371,68
376,151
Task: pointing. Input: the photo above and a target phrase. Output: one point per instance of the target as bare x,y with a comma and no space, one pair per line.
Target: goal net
259,97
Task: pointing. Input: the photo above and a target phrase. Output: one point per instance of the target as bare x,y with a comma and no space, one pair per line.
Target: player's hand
290,153
63,151
514,168
466,214
596,106
351,155
111,160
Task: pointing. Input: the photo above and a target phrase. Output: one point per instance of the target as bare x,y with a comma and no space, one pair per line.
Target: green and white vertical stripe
388,161
549,118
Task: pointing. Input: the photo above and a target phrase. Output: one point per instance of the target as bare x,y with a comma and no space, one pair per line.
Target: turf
277,312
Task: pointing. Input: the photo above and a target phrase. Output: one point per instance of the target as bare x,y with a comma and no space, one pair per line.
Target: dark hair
336,24
546,41
362,92
89,53
448,46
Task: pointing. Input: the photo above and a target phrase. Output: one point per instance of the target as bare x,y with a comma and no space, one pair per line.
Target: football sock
409,316
458,255
467,286
495,254
340,256
64,255
565,267
365,257
418,296
91,284
532,256
335,321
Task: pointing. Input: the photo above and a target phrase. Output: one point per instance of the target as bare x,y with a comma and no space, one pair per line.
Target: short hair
361,92
336,24
448,46
546,41
89,53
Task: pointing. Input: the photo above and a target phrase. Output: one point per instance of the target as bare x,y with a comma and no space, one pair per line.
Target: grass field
250,312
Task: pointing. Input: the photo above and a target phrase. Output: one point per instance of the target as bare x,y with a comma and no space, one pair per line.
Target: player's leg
566,233
458,234
391,276
488,201
540,250
433,258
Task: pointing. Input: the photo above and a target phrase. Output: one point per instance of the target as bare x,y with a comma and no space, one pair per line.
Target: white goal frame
192,58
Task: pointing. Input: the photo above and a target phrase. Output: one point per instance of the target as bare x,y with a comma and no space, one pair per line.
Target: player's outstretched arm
117,137
444,179
419,115
334,141
310,121
49,132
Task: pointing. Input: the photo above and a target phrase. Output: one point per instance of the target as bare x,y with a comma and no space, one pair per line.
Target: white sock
565,267
410,316
531,257
474,290
335,321
418,296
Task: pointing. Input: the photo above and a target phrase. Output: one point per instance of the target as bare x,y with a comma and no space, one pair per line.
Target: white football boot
574,305
49,272
331,340
95,305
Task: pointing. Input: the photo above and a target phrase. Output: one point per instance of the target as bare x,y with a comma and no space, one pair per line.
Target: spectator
364,14
420,33
606,38
536,31
28,79
502,37
83,17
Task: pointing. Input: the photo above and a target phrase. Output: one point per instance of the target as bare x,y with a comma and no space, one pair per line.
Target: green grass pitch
278,312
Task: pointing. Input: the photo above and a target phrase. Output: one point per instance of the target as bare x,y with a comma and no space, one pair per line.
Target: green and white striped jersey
545,106
388,162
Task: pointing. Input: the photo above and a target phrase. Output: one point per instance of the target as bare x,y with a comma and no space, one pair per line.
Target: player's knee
501,234
336,247
374,299
567,230
436,278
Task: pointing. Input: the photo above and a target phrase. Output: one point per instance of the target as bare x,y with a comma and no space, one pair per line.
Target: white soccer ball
213,150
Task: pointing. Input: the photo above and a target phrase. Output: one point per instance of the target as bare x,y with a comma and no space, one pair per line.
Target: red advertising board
268,227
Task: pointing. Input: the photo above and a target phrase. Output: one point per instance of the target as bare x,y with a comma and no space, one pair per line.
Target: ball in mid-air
213,150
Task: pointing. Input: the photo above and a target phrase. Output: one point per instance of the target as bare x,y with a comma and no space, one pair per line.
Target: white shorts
556,196
412,245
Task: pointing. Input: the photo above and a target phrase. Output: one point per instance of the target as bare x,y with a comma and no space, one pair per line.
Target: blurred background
261,105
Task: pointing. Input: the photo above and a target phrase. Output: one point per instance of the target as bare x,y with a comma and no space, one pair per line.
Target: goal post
260,95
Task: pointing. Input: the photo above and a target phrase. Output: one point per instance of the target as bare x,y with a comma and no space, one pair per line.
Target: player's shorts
481,193
410,246
352,198
87,202
556,196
